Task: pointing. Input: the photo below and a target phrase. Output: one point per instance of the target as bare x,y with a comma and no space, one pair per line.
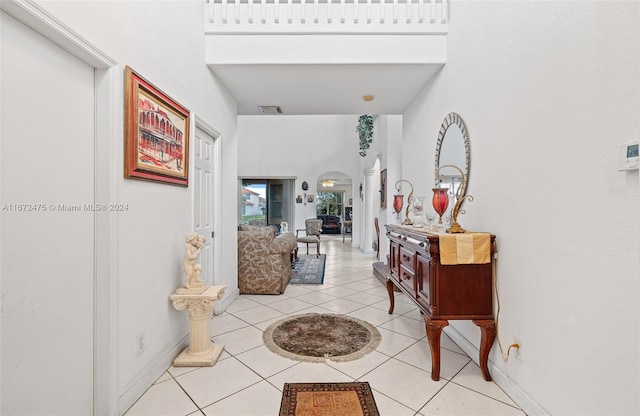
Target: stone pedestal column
201,352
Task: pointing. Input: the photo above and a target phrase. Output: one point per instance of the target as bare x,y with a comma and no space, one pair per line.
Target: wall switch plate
628,156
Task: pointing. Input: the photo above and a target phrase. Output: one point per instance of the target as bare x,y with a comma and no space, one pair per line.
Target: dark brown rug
328,399
315,337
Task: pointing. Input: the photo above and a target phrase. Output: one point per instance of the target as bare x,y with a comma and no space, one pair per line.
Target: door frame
28,12
199,123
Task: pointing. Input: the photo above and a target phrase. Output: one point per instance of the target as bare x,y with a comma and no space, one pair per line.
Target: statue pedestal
201,352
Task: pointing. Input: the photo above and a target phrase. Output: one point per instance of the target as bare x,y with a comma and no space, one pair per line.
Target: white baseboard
149,376
519,396
226,301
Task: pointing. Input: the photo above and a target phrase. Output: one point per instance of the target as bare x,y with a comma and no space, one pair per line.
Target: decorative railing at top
326,16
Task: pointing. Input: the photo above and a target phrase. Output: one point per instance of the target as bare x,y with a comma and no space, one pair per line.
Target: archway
335,197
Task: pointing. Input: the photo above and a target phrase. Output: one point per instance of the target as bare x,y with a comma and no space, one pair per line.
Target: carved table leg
488,330
434,329
392,298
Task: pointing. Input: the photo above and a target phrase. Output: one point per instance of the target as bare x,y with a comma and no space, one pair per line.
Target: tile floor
247,380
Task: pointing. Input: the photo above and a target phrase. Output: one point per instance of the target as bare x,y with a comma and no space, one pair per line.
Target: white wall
548,91
163,42
47,299
304,147
389,131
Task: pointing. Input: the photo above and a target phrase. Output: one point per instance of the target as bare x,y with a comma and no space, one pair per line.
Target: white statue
192,270
284,227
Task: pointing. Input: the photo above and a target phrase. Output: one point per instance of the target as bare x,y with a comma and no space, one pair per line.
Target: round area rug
315,337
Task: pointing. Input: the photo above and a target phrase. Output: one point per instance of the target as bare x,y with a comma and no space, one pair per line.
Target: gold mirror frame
449,120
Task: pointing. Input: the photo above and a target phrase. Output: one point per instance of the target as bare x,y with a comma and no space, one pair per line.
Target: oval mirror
452,148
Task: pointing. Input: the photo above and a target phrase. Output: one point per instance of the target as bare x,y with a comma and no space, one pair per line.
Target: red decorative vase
397,203
440,201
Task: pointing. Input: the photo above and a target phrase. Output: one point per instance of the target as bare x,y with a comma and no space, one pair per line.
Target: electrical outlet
140,343
517,352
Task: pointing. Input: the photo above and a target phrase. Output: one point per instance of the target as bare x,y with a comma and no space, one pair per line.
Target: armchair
312,229
264,260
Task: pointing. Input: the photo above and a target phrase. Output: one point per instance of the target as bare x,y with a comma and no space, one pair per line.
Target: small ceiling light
328,183
368,98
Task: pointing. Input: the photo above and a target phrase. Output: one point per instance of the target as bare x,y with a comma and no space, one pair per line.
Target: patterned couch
264,260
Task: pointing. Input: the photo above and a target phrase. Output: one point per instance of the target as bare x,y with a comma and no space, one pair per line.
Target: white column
370,191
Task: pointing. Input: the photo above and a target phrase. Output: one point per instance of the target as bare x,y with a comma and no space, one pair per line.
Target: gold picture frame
156,138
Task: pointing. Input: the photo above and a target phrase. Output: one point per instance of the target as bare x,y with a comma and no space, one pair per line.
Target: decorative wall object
156,141
299,199
383,188
453,157
365,132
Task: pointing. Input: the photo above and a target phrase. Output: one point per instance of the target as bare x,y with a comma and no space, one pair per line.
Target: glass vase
397,204
440,201
417,207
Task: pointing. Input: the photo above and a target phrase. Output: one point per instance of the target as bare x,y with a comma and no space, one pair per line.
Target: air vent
269,109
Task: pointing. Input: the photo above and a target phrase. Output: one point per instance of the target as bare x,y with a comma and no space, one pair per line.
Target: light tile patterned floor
248,378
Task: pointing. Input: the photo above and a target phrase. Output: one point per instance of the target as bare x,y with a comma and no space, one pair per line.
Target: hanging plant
365,132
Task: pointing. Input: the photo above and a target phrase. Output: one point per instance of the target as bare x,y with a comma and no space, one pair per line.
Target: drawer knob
405,257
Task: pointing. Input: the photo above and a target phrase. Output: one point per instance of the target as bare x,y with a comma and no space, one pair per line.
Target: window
267,199
330,203
254,197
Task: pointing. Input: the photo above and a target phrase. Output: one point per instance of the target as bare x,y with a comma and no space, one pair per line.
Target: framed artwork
383,188
299,199
310,198
156,137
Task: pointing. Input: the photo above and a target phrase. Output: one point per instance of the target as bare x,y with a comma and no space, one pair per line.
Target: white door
46,236
203,199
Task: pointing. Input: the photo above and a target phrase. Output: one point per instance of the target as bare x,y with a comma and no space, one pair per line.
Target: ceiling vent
269,109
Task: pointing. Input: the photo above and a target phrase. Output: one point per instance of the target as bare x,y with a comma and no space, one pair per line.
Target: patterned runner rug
308,270
328,399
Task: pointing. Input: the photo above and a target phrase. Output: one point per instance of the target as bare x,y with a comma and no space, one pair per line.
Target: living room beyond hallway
248,379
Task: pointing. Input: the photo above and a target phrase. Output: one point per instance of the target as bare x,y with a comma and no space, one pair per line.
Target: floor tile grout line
479,392
237,391
434,396
391,398
186,392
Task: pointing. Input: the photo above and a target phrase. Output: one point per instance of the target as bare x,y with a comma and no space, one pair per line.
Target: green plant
365,132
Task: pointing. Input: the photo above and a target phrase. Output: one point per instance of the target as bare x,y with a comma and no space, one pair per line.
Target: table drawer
408,259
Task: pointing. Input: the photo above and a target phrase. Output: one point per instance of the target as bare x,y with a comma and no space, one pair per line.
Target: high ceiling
325,88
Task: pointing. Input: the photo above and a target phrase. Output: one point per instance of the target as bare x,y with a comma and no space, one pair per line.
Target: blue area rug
308,270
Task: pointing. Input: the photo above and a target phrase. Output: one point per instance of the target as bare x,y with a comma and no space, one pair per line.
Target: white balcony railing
326,16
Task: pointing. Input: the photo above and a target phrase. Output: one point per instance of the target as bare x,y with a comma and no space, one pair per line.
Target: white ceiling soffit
300,89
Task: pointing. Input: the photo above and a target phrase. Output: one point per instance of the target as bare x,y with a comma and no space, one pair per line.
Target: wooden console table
442,292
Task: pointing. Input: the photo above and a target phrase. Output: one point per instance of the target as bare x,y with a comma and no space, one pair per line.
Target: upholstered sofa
264,260
330,224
